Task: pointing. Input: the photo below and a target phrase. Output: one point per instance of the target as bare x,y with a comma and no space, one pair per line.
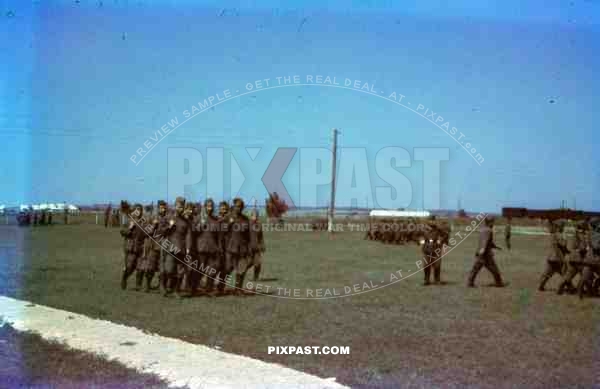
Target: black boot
162,281
437,275
179,287
427,274
124,277
471,281
169,282
257,269
149,277
139,278
238,284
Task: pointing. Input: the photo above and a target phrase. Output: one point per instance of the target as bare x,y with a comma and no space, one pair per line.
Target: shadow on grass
272,279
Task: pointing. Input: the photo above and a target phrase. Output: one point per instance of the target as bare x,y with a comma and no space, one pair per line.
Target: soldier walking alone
485,254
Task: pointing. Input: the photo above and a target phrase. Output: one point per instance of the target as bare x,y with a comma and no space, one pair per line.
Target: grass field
28,361
400,335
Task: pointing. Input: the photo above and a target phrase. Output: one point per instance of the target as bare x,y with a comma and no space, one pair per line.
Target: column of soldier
580,256
204,247
227,242
35,218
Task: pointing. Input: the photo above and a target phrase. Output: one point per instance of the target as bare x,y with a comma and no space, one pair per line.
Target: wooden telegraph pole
333,180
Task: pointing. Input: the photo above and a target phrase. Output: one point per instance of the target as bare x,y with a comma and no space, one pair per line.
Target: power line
208,139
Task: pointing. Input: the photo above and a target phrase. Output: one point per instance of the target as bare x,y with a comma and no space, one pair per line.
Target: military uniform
190,276
557,249
180,236
152,255
236,247
591,263
431,250
507,235
485,255
208,246
400,228
134,249
256,247
162,231
578,247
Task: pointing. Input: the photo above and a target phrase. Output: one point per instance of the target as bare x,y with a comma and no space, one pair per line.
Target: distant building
398,213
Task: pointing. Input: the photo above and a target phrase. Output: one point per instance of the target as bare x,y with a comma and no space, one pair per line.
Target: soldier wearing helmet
180,236
591,263
578,247
134,248
557,250
236,249
208,246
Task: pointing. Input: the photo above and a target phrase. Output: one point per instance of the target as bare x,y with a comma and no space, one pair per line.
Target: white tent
394,213
72,209
24,207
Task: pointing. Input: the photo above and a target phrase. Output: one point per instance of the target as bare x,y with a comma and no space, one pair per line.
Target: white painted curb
178,362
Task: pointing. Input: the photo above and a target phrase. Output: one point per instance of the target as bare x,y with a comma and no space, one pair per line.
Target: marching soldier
152,254
208,246
256,245
591,264
188,211
578,247
557,249
134,247
485,254
190,276
223,209
507,233
161,230
399,228
180,234
236,249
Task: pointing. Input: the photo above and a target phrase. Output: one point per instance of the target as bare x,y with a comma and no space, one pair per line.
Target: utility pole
333,180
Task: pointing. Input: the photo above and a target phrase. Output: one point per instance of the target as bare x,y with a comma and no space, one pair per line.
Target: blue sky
84,86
